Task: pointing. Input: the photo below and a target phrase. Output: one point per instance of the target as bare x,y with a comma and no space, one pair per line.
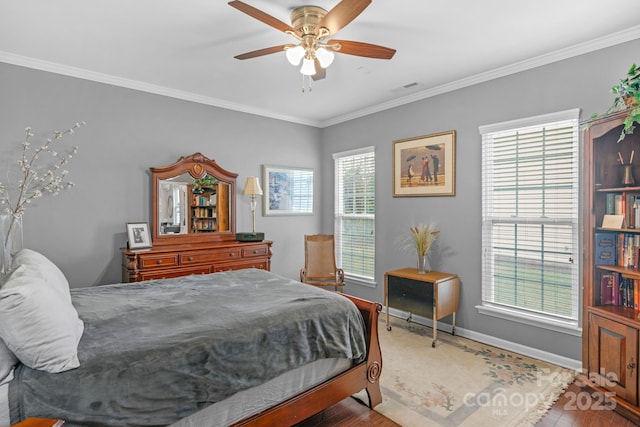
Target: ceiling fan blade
321,73
342,13
262,16
363,49
262,52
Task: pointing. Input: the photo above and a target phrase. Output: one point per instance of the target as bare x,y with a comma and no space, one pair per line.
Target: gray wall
128,131
581,82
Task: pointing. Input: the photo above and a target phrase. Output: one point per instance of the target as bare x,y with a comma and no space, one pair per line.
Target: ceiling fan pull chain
308,85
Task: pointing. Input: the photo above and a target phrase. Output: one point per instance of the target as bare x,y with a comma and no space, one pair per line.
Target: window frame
339,215
565,324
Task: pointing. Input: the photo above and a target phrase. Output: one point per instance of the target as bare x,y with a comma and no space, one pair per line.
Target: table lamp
251,188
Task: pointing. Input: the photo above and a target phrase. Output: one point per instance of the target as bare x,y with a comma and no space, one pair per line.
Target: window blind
355,212
530,236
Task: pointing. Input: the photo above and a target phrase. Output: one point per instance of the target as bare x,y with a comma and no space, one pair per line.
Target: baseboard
545,356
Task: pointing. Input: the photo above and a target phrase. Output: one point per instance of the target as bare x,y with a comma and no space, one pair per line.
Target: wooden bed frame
365,375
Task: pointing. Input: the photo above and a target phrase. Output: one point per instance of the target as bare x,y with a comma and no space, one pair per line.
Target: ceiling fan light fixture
325,57
295,55
312,27
308,68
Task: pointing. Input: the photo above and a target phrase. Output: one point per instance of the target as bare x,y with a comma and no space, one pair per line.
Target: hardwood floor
564,413
347,413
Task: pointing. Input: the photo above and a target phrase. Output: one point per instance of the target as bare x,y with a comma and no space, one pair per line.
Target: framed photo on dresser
138,234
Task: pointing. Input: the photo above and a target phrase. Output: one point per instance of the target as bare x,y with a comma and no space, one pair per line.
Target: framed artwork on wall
138,234
425,165
289,191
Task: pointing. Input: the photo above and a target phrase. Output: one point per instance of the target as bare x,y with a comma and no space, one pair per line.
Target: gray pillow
38,323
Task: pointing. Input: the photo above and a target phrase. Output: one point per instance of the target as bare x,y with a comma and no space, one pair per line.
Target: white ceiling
185,48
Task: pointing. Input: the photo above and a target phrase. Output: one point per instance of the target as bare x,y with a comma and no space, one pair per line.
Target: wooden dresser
168,261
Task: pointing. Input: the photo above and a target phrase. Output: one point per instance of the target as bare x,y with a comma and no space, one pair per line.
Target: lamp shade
325,57
252,187
295,54
308,68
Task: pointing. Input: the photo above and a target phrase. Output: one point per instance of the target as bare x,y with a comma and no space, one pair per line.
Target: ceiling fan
311,26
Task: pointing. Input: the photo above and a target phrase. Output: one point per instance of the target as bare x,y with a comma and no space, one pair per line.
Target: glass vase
10,240
422,264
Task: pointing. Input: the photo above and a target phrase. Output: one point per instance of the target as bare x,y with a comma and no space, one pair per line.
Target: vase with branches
39,171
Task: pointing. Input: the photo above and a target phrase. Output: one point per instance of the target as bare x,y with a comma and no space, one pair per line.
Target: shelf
618,230
622,270
617,189
616,312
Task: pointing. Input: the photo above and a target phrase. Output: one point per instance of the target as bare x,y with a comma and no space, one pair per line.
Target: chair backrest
320,256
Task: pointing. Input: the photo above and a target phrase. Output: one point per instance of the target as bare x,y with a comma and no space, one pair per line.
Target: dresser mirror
193,201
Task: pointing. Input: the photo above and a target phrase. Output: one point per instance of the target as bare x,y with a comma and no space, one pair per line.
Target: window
355,205
530,220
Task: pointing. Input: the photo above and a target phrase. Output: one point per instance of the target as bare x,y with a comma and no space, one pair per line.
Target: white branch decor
40,171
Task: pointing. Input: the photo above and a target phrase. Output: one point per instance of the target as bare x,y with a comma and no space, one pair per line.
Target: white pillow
38,323
52,274
7,361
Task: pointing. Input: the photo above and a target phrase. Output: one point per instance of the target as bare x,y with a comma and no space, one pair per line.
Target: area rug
462,382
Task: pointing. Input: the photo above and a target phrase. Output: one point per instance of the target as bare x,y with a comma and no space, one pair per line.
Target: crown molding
558,55
80,73
620,37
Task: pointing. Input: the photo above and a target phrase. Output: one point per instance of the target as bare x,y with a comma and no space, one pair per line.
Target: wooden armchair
320,262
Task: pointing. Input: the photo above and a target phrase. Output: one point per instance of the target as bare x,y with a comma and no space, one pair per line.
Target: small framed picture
289,191
138,233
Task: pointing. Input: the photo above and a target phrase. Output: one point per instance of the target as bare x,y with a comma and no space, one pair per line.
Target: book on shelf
606,248
607,289
628,250
630,215
620,289
627,291
610,208
618,205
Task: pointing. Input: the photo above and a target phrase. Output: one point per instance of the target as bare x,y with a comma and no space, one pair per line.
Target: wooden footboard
362,376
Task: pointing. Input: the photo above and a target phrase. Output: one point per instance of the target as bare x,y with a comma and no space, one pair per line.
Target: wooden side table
434,295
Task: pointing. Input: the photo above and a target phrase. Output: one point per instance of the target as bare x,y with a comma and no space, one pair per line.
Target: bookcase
611,274
206,214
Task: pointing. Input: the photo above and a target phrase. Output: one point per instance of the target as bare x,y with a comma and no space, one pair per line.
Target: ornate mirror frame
197,166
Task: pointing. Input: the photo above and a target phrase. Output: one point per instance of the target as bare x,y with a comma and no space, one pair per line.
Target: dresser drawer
155,261
258,263
168,274
168,260
210,255
254,251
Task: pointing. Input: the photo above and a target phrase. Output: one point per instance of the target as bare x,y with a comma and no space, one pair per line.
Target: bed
246,347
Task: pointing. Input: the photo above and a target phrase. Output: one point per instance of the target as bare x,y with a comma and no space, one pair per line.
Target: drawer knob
190,258
232,254
255,251
159,261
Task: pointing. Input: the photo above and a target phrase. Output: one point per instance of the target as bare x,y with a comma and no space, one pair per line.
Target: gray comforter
154,352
